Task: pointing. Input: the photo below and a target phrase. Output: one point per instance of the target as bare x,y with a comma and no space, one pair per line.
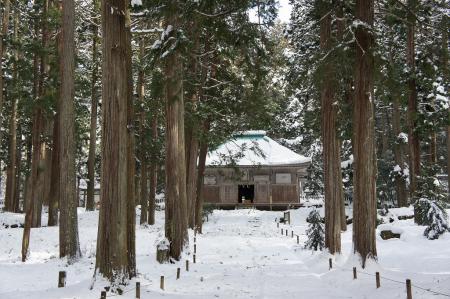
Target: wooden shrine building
252,169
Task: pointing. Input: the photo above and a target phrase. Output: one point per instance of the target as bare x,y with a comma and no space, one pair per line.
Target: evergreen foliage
315,231
430,202
434,216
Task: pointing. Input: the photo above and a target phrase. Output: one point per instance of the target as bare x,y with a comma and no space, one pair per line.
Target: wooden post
292,234
287,217
278,224
330,262
161,285
178,273
62,279
193,258
195,248
408,289
286,232
138,290
103,295
282,232
354,272
195,240
187,265
377,279
298,239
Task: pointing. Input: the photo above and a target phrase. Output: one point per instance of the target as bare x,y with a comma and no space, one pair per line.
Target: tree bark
176,206
142,156
153,169
192,144
191,178
38,165
90,203
340,37
365,169
131,152
68,227
200,175
115,245
331,158
4,32
343,217
18,174
53,198
10,196
433,147
444,58
400,182
27,181
413,137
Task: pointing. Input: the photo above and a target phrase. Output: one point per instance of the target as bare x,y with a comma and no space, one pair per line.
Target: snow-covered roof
253,148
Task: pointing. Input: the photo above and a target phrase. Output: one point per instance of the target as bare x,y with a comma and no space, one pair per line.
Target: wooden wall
221,184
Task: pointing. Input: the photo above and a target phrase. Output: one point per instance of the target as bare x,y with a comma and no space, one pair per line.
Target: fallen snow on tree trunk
241,254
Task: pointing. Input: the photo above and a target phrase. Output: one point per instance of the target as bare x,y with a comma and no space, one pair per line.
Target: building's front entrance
246,192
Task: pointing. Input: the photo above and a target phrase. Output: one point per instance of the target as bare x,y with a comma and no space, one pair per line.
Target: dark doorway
246,192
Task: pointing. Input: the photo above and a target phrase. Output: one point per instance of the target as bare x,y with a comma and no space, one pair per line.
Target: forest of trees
132,95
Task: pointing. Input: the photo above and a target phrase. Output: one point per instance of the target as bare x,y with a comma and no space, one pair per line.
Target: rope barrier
336,267
132,289
401,282
396,281
390,279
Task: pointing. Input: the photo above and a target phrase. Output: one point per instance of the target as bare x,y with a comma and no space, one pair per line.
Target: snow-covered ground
241,254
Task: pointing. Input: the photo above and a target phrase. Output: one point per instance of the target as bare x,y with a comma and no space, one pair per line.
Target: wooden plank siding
261,193
284,193
211,194
222,184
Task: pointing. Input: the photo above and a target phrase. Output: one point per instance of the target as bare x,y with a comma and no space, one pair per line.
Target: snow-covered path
241,254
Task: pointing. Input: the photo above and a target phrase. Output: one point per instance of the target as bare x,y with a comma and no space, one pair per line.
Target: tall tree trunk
4,32
18,173
384,124
413,137
340,37
365,169
54,196
200,175
32,193
10,196
131,152
444,58
331,151
340,186
30,139
433,147
176,206
27,180
142,152
192,143
90,203
32,217
38,165
400,182
153,169
115,245
68,227
37,168
191,178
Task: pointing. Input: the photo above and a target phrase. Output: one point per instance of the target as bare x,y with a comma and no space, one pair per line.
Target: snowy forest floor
241,254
